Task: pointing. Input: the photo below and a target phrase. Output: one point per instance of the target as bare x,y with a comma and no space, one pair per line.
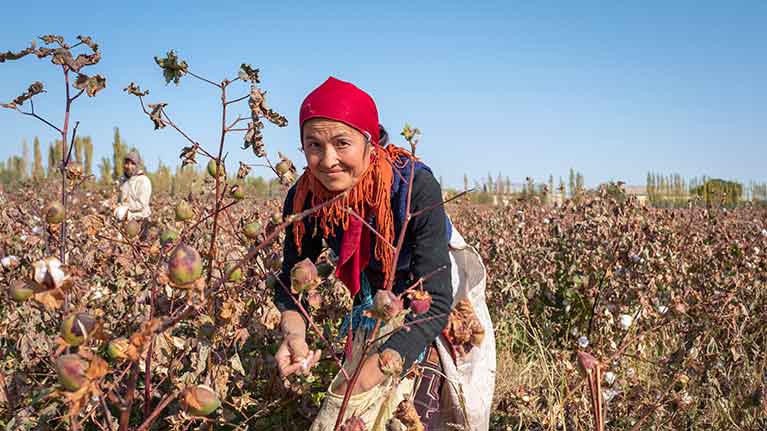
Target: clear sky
524,88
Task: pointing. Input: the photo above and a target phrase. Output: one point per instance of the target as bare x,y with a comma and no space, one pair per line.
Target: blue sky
521,88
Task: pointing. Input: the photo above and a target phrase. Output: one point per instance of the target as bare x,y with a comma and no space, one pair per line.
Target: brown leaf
52,38
135,90
172,67
243,171
34,89
248,73
156,115
91,85
86,40
10,55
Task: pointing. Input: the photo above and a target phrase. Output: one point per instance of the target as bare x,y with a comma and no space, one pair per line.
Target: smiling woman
347,151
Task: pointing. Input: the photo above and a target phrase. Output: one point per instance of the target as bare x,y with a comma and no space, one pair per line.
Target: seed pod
20,291
236,275
201,400
132,229
168,236
215,169
54,213
237,192
118,348
276,218
386,305
71,371
184,211
420,301
184,265
251,230
303,276
76,328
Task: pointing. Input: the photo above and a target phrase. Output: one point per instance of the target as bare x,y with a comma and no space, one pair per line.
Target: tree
489,183
38,172
88,148
105,170
51,160
571,183
717,192
465,182
79,149
24,159
119,149
499,184
579,187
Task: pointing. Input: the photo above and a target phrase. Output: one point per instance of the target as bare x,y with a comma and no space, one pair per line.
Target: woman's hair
383,139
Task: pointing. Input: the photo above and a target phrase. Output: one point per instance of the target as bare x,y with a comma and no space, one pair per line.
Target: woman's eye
342,144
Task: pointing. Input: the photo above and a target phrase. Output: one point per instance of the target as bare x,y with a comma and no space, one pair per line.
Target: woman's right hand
294,356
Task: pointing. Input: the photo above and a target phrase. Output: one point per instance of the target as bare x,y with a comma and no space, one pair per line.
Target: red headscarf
370,196
342,101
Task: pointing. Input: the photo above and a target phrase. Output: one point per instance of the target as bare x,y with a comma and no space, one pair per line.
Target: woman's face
337,154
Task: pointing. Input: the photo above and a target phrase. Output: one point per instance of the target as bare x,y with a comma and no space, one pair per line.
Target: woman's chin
336,185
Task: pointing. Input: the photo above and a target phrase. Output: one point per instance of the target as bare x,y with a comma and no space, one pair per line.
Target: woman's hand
370,376
294,356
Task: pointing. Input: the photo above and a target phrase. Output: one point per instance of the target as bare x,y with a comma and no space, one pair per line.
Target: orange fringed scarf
370,196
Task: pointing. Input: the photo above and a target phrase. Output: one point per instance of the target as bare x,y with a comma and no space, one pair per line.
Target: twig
237,99
443,203
408,325
204,79
33,114
157,410
371,228
130,393
107,413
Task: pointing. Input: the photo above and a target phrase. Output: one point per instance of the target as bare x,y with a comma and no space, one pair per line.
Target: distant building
640,192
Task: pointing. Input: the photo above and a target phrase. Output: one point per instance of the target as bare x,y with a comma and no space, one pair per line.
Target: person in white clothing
135,190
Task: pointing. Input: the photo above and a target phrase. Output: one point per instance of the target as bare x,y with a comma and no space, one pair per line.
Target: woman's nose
329,157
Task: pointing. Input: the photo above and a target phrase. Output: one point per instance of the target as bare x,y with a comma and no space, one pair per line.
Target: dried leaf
135,90
189,154
243,171
156,114
86,40
248,73
52,38
236,364
91,85
172,68
10,55
33,90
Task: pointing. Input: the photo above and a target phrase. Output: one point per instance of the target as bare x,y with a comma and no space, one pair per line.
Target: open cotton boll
626,320
121,213
9,262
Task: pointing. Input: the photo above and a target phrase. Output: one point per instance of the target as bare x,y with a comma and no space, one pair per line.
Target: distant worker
135,190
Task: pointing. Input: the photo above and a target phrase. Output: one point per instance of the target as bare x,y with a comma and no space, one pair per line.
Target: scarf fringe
370,196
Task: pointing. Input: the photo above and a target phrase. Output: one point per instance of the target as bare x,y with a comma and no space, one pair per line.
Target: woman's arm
293,354
427,237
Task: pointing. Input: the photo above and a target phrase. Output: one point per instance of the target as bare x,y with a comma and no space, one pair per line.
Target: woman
346,150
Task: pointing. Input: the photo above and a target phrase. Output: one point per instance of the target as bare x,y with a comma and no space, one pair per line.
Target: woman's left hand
370,376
